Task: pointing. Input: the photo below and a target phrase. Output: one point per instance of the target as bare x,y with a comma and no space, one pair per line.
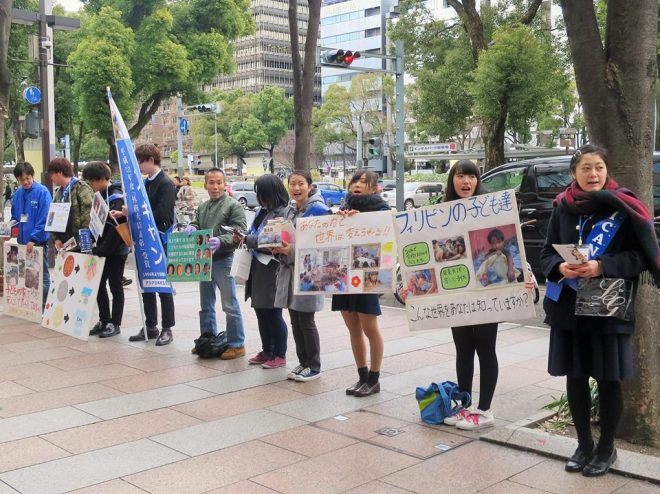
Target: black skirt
363,303
589,352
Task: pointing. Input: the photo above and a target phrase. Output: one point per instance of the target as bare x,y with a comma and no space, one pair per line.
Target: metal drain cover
389,431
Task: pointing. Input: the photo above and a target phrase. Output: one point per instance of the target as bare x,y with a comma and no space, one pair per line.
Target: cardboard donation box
275,233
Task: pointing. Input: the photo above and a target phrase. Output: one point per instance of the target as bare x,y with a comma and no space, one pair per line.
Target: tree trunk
493,132
77,144
616,84
5,80
303,80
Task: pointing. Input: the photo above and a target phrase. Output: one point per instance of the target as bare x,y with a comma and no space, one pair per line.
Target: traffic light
33,123
205,108
339,58
198,160
375,147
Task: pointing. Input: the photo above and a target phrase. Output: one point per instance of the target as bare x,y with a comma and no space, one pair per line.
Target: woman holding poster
617,232
301,307
360,311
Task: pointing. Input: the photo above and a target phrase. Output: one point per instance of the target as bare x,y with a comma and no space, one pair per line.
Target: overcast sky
70,5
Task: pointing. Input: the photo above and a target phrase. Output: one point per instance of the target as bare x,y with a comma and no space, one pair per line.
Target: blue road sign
183,126
32,95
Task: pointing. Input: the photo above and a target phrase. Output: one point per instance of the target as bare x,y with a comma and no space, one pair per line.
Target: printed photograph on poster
420,282
71,299
324,270
449,249
58,216
377,281
366,256
5,228
98,215
189,257
495,255
23,282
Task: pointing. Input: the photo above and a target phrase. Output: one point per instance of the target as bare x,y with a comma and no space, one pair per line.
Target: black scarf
365,203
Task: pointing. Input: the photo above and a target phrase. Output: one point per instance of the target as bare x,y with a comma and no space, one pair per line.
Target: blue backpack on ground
435,402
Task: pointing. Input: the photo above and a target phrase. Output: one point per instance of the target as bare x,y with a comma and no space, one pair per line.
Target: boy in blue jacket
29,209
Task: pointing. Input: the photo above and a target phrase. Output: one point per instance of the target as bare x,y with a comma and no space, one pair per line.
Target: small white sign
58,216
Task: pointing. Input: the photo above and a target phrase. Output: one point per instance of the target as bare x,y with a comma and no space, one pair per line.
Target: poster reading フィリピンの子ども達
345,254
23,281
72,295
462,262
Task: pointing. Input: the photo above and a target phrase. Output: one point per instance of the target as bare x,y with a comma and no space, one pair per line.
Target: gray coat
261,285
284,297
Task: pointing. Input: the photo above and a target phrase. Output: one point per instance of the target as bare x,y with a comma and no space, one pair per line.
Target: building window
375,31
372,11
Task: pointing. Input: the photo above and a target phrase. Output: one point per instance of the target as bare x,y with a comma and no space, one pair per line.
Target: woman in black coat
595,212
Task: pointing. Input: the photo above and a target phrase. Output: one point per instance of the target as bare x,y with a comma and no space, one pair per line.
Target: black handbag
209,345
604,297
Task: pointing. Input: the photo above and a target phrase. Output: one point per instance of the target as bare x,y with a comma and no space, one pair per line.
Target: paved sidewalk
109,416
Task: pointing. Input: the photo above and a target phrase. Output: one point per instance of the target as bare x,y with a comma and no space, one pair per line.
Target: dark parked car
537,182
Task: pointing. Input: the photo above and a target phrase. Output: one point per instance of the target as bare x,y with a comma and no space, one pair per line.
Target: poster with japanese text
462,262
72,295
98,215
345,254
189,257
23,282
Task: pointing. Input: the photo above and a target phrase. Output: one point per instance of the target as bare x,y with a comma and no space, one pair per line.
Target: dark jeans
481,339
306,336
273,332
113,272
151,309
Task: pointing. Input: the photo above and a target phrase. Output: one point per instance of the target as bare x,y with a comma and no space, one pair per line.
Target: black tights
611,405
481,339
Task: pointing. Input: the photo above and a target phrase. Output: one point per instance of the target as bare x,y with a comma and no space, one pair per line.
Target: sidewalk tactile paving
90,468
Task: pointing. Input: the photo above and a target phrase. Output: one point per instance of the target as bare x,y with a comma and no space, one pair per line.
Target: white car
415,194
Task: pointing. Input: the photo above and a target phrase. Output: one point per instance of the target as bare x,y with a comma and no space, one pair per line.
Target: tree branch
147,110
531,12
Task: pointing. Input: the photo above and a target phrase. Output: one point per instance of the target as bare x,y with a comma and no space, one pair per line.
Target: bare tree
5,81
303,79
492,129
616,81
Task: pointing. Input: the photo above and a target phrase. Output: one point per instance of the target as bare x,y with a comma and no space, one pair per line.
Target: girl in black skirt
360,312
594,211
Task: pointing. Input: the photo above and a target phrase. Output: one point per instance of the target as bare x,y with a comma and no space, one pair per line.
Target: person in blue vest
29,210
112,248
617,229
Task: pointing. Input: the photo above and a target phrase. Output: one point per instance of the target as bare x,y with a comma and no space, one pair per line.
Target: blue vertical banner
150,257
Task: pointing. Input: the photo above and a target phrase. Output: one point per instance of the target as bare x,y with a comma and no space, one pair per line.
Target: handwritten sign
23,281
462,262
342,254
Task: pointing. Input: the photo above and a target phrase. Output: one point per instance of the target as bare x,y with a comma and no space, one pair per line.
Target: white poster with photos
98,215
463,262
345,254
23,281
72,295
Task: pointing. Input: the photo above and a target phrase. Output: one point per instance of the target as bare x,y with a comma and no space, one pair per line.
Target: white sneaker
478,419
454,419
294,372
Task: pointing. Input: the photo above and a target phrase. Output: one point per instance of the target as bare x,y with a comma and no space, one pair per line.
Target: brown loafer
352,389
366,390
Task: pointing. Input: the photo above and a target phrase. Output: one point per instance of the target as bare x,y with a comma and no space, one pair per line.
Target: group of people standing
580,346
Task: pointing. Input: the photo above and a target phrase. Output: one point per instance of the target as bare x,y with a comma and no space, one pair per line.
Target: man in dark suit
162,196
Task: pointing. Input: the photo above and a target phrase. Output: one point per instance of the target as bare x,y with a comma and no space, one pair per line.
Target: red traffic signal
339,58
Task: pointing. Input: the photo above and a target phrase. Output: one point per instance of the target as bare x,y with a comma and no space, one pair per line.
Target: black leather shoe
366,390
98,328
151,332
578,461
352,389
598,465
110,330
165,337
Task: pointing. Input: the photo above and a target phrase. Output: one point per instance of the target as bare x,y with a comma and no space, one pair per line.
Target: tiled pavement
109,416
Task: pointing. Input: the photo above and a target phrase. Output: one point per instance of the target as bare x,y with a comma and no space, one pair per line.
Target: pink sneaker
454,419
259,358
274,363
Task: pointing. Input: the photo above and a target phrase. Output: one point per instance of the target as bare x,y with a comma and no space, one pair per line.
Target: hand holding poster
189,257
345,254
462,262
23,281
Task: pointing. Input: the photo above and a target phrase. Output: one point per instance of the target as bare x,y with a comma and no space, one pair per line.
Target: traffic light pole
399,108
179,137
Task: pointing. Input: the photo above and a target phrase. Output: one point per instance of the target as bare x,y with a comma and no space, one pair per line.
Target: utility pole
358,147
